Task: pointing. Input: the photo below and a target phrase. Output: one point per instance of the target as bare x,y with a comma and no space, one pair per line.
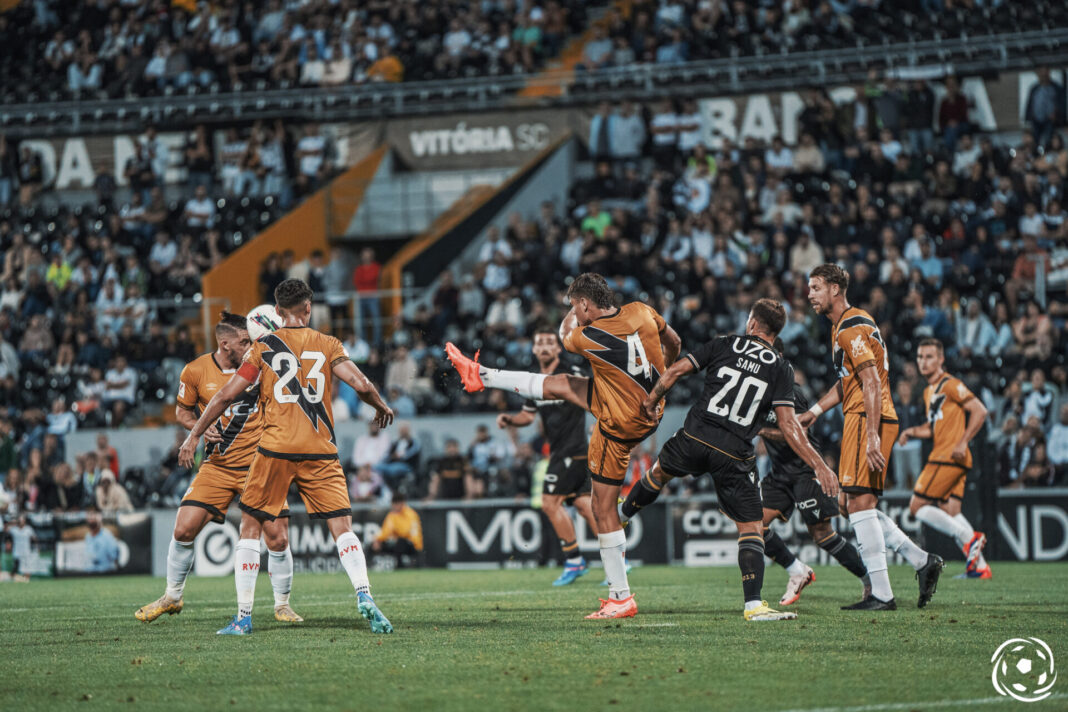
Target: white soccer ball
262,321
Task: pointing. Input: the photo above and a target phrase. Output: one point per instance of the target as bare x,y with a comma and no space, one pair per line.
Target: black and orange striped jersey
945,414
624,351
240,424
296,369
856,341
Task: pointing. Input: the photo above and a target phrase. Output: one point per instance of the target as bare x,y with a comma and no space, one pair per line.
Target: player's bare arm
975,411
869,382
671,344
569,324
518,420
187,419
215,408
772,434
795,437
827,401
348,372
665,384
919,432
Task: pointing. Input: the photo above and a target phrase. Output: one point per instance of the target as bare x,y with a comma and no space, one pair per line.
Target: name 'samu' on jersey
856,341
624,351
241,423
745,378
295,369
946,415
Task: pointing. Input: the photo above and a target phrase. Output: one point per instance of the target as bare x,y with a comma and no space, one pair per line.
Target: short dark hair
770,314
292,293
832,274
931,341
230,322
399,497
592,286
544,327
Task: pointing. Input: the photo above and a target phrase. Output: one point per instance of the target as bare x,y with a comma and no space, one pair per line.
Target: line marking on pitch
886,707
656,625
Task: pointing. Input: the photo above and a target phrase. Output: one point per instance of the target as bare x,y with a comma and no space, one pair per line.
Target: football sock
615,567
280,569
751,562
246,568
777,550
837,546
937,519
527,385
642,494
899,541
571,551
353,561
179,562
872,547
969,533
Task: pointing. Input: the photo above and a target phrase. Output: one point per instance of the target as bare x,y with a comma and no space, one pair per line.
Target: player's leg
839,547
933,486
574,565
976,565
538,386
644,492
608,462
585,509
871,543
280,567
189,522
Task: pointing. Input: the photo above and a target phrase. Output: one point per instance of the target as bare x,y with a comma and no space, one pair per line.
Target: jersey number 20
287,367
733,413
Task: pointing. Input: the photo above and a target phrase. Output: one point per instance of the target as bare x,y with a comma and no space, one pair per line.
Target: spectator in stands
121,392
365,278
111,498
597,52
371,448
199,212
402,460
451,476
1058,447
311,160
1045,107
401,534
62,492
8,171
366,486
953,114
1040,399
627,133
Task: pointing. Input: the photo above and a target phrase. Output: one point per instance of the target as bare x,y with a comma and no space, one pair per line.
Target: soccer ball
262,321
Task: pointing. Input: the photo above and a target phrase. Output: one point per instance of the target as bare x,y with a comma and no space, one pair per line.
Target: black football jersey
745,378
787,465
565,423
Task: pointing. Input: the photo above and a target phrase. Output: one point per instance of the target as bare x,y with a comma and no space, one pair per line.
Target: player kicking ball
231,444
745,380
868,435
954,416
295,367
567,477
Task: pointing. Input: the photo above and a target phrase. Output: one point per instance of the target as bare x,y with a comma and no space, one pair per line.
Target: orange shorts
213,488
609,456
321,484
941,480
853,472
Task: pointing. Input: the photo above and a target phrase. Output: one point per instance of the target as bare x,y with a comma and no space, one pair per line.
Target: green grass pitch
508,640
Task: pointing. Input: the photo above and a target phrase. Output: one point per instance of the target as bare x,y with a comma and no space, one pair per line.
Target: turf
507,640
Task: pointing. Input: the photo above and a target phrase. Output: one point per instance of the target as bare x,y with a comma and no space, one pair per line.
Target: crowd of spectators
114,49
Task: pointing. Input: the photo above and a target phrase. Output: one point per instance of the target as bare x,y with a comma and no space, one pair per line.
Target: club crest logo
1023,669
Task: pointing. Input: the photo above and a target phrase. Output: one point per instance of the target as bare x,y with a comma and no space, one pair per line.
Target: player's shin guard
280,569
897,540
527,385
751,562
615,567
641,495
872,547
847,555
246,568
353,561
776,549
179,562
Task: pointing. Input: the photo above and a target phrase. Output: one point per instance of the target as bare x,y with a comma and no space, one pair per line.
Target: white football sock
969,532
796,569
615,568
936,518
897,540
280,569
527,385
246,568
353,561
179,562
872,547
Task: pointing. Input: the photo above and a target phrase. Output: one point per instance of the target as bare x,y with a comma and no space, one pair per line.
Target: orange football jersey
240,424
624,351
856,341
295,366
945,413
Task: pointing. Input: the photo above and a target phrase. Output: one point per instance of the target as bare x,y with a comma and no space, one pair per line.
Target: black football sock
570,549
751,562
837,546
777,550
641,494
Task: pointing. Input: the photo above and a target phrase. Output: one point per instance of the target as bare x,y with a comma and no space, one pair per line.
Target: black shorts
735,477
804,493
567,476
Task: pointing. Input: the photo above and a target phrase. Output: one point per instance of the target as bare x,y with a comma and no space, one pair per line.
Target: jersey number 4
287,367
734,411
637,363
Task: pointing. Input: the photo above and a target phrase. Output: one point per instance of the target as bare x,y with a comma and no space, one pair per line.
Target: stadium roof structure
720,77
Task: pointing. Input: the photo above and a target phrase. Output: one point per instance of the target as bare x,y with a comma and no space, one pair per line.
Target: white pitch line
886,707
656,625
